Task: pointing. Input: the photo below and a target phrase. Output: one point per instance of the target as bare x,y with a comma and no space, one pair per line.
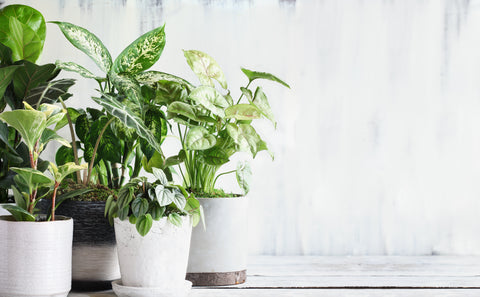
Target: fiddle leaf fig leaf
253,75
211,99
74,67
144,224
244,176
198,138
30,124
243,112
142,53
128,117
23,31
205,67
88,43
260,100
6,76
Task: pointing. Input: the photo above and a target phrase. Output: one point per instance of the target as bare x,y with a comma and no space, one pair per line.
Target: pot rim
58,218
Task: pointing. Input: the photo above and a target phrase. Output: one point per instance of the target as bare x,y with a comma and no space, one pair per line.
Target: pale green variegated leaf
175,219
244,176
252,75
245,136
88,43
31,177
127,85
65,170
152,77
49,92
74,114
260,100
49,135
6,76
179,200
130,119
243,112
198,138
205,67
160,175
29,123
164,196
214,156
142,53
211,99
74,67
247,93
183,109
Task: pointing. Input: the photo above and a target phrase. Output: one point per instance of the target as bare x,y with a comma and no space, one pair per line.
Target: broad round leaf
139,206
175,219
179,200
198,138
211,99
205,67
29,123
144,224
164,196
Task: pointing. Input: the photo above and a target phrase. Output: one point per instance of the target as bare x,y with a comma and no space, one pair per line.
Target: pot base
217,278
83,286
124,291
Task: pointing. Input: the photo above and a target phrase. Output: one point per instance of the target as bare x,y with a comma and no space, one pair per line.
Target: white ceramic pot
157,260
35,257
218,254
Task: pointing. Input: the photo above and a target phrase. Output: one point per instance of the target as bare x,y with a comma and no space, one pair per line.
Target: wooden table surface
384,276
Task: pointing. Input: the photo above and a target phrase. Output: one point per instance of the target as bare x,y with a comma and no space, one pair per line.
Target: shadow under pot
94,253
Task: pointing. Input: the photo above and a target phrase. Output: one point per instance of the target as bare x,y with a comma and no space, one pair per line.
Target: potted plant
37,248
212,127
21,42
127,133
153,223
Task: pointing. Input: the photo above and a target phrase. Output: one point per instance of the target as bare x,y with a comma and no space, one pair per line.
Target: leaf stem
74,140
97,143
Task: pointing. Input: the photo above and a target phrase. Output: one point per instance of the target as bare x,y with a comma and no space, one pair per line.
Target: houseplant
129,129
37,248
153,223
212,127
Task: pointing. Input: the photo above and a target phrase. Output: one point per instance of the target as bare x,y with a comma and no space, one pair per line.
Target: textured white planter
35,258
218,254
158,260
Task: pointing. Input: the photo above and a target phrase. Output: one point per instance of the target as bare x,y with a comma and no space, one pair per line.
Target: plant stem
74,140
228,172
97,143
53,199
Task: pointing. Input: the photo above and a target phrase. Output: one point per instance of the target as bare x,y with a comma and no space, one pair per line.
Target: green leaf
49,92
19,214
31,76
65,170
49,135
153,77
160,176
19,199
23,31
128,86
156,122
132,220
205,67
253,75
64,155
184,109
164,196
144,224
29,123
215,156
139,207
30,179
74,67
74,114
260,100
5,55
142,53
244,176
247,93
6,75
88,43
167,92
157,212
82,127
179,200
198,138
130,119
245,136
122,212
175,219
110,147
108,205
243,112
211,99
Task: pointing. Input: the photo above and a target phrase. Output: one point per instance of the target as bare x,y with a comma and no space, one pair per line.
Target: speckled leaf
205,67
211,99
142,53
88,43
128,86
74,67
198,138
252,75
243,112
152,77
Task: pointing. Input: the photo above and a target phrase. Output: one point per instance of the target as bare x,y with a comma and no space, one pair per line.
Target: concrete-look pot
35,257
157,260
218,254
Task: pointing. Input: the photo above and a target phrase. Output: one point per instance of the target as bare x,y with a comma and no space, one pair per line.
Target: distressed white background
377,149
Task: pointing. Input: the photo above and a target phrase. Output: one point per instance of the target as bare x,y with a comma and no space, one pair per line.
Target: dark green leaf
252,75
215,156
5,55
6,75
139,206
123,212
144,224
48,92
19,214
31,76
157,212
82,127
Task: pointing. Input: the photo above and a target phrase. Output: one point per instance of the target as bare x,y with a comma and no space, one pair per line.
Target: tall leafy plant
32,184
132,122
212,126
21,43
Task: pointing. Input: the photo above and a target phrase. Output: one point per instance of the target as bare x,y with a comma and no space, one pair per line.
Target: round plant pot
94,255
218,253
35,257
157,260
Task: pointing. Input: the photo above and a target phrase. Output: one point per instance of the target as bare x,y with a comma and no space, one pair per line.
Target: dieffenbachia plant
22,38
212,126
142,202
32,184
132,114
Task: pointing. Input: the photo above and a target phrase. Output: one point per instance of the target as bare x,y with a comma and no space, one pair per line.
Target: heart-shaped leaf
198,138
205,67
211,99
243,112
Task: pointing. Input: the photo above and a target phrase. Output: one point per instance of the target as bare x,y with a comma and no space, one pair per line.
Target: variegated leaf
88,43
127,85
198,138
74,67
211,99
261,101
243,112
49,92
152,77
128,117
142,53
205,67
245,136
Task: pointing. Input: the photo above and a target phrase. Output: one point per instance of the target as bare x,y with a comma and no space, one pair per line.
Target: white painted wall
378,142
